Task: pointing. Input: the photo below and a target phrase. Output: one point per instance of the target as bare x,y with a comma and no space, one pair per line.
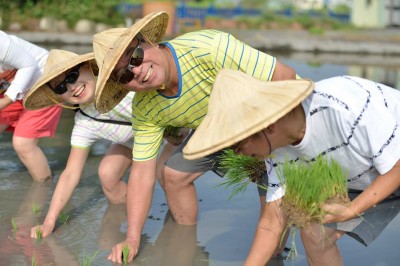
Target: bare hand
335,213
43,230
116,252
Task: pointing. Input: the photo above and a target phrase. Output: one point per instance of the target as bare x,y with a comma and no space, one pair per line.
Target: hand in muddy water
41,231
129,246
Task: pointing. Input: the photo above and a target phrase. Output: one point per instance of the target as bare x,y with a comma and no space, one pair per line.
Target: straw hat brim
240,106
39,96
153,27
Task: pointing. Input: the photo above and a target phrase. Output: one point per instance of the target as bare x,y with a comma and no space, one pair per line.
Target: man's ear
271,128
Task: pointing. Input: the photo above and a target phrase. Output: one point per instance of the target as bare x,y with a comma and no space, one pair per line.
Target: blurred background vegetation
111,12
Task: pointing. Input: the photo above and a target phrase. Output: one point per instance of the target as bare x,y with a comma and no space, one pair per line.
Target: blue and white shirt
351,120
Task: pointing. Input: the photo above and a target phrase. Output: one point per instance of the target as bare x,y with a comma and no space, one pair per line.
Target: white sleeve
14,56
276,186
84,133
378,137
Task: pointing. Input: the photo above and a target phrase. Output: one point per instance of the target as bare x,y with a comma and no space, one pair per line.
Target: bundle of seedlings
309,186
240,171
175,135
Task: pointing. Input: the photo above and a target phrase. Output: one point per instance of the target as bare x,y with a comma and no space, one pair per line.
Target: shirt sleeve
148,134
83,134
379,143
232,53
14,56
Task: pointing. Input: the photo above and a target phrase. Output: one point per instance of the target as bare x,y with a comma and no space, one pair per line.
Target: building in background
376,14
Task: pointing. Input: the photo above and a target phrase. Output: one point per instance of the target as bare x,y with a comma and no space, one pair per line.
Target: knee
318,239
107,178
22,146
175,179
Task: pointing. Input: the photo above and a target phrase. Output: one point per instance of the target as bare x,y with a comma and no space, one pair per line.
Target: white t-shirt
351,120
87,130
28,59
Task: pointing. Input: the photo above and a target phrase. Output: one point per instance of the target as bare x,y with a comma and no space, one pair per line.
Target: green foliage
35,208
69,10
308,186
171,131
38,233
241,170
125,254
87,260
63,217
34,261
342,9
14,224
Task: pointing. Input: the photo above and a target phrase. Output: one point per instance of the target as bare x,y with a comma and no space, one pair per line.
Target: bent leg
320,245
32,157
168,149
111,170
181,195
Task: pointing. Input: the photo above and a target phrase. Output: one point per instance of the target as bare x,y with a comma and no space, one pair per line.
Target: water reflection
225,231
380,68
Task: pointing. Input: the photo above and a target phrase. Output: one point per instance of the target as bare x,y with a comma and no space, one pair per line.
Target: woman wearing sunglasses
21,64
173,81
69,80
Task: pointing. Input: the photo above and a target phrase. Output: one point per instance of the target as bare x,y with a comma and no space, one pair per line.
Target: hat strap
63,105
48,94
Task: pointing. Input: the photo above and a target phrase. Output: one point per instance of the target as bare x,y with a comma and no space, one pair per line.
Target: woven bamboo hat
58,61
240,106
108,47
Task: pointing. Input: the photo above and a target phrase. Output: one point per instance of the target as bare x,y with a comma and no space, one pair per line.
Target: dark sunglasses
70,78
4,84
135,61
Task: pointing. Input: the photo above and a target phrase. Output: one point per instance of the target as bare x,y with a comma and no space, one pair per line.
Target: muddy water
225,229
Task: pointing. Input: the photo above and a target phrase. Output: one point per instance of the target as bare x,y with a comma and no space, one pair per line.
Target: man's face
256,146
141,66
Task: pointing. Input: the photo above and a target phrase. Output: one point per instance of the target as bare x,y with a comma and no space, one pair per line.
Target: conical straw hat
108,47
240,106
58,61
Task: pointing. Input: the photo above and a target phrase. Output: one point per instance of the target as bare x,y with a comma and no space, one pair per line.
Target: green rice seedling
63,217
14,224
35,208
172,131
173,134
308,186
34,261
240,171
38,233
87,260
125,254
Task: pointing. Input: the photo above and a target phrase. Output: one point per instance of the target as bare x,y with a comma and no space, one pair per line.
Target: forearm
139,196
380,189
4,102
62,193
268,235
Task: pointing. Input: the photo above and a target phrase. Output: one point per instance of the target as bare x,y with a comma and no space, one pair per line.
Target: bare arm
66,185
381,188
4,102
268,234
283,72
139,196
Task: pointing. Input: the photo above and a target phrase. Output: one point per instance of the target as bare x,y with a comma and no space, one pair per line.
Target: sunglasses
70,78
135,61
4,84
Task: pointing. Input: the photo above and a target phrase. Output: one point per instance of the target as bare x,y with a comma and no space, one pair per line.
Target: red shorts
30,124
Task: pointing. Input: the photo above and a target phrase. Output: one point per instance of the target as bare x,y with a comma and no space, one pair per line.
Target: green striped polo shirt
198,57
